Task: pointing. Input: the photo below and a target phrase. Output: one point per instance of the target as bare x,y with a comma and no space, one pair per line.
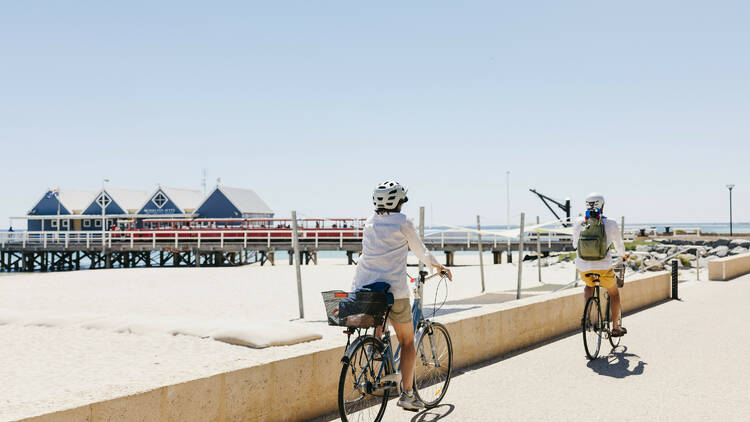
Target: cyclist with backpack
387,238
592,237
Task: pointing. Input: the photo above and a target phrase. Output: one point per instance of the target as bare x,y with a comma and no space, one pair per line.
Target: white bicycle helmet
595,200
388,194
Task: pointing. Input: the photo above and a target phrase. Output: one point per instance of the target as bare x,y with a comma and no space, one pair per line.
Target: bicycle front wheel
357,401
434,366
592,328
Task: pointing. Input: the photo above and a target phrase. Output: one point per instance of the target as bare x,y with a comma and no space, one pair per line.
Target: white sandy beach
71,338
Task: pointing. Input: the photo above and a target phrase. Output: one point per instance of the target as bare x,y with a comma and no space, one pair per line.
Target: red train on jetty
241,227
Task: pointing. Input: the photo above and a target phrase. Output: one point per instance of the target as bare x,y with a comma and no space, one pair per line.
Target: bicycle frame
597,295
419,325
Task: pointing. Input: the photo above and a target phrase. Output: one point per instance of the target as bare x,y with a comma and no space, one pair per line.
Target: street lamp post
730,187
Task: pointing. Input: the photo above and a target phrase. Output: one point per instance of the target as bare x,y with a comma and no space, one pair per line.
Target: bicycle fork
436,362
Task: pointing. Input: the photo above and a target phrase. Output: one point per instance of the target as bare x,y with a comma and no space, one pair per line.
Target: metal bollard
674,279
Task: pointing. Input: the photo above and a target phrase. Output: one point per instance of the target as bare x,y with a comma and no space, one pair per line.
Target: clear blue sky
313,103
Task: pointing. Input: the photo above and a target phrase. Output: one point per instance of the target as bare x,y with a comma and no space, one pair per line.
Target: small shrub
685,261
565,257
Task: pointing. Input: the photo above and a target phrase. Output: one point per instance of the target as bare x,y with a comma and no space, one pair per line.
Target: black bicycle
596,324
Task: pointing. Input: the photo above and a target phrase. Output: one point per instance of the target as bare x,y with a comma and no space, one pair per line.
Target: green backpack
592,242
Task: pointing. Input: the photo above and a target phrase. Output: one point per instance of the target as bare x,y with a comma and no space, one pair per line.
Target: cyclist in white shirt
388,236
602,267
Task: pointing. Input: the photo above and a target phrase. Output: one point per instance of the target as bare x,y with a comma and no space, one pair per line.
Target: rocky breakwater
652,256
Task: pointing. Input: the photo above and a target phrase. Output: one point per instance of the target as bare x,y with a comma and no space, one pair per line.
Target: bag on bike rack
361,309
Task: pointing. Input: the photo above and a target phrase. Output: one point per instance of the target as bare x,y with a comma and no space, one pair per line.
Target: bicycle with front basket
596,325
370,372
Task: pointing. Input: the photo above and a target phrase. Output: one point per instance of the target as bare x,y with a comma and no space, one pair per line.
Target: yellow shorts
606,278
400,311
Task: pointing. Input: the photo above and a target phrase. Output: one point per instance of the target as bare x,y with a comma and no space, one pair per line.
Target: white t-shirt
385,245
613,236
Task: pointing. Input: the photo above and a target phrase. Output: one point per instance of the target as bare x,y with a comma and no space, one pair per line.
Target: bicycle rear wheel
356,399
434,365
592,328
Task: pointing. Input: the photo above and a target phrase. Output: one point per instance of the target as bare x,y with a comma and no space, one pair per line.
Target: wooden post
538,250
520,258
295,245
479,246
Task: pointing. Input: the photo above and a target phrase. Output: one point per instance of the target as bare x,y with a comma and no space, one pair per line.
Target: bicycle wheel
434,365
591,326
614,341
356,399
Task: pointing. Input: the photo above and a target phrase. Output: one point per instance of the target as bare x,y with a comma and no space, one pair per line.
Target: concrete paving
682,360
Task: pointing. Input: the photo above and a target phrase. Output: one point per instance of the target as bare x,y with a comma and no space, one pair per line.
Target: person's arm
419,249
617,239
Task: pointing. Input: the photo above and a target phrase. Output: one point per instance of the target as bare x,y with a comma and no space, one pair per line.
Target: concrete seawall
724,269
305,386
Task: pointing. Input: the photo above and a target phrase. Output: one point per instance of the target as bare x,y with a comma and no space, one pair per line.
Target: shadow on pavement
434,414
617,364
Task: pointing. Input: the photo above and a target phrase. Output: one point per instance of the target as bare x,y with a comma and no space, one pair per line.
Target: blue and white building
59,203
111,205
171,201
84,210
226,202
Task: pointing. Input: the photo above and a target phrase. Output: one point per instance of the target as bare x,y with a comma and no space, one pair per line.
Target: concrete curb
724,269
304,387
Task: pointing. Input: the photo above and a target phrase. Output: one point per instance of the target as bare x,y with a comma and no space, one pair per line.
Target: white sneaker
410,402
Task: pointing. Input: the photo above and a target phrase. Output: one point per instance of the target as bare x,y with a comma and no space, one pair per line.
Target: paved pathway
682,360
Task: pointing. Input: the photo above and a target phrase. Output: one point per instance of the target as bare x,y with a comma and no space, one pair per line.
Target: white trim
151,196
164,198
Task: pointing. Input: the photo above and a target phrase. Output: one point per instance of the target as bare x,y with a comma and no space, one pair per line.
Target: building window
53,223
103,200
65,223
86,223
159,200
97,223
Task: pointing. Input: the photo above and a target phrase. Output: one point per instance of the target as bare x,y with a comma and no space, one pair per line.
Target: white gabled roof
184,198
72,199
76,201
127,199
246,200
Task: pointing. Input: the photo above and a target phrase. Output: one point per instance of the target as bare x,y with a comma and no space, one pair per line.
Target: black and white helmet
388,194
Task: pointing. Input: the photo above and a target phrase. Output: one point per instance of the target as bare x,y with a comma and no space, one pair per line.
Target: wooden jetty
68,250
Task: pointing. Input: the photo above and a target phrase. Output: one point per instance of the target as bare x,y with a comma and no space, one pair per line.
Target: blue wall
46,206
218,206
112,208
168,208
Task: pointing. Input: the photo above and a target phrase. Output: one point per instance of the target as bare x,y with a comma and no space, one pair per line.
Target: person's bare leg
405,334
614,303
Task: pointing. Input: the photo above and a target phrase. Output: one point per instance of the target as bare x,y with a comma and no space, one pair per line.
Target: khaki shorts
606,278
400,311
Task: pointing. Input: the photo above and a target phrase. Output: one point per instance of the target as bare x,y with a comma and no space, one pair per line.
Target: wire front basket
357,310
